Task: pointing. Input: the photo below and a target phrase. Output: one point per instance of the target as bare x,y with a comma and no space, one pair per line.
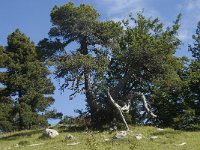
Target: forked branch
142,96
126,108
118,108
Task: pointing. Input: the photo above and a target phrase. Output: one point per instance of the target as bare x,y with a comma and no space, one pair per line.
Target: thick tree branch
142,96
118,108
126,108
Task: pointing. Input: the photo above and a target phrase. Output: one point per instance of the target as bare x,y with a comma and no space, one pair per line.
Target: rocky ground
138,138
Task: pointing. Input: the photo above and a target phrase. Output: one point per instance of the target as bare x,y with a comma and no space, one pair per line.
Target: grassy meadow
152,139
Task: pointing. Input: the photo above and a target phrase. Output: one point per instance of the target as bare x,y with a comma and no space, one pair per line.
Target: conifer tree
6,103
192,113
81,25
26,82
178,105
144,60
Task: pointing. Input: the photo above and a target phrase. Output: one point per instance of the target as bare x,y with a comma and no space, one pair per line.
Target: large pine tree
81,25
178,106
193,74
26,82
6,103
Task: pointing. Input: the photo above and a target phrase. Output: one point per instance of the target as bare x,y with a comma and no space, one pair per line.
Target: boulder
16,145
139,136
104,138
180,144
73,144
32,145
51,133
153,137
120,134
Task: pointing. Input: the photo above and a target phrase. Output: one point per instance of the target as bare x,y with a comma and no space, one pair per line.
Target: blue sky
32,17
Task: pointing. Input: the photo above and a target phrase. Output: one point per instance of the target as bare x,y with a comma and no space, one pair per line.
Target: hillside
139,138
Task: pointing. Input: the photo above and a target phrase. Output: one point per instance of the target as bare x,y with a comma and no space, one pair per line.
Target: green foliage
196,49
190,117
6,122
123,58
66,120
25,83
53,114
143,61
136,55
177,99
6,103
85,65
149,46
194,69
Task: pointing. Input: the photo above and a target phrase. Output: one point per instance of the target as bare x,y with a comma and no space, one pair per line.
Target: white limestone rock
51,133
153,137
139,136
73,144
182,144
120,134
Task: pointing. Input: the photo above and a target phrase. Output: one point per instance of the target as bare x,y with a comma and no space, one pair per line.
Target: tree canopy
81,25
127,70
25,83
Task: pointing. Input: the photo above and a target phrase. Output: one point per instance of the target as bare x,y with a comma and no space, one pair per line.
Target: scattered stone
16,145
73,144
69,137
159,129
35,144
120,134
180,144
139,136
104,138
153,137
51,133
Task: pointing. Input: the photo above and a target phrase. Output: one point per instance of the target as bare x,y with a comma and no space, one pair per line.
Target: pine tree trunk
21,125
88,92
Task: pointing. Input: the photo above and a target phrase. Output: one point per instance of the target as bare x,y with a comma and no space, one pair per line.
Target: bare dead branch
126,108
119,109
142,96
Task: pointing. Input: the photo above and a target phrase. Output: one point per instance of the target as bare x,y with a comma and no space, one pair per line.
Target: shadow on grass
73,128
20,134
171,132
78,128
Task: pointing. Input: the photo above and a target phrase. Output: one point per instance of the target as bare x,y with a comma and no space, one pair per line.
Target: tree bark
88,92
21,123
122,82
